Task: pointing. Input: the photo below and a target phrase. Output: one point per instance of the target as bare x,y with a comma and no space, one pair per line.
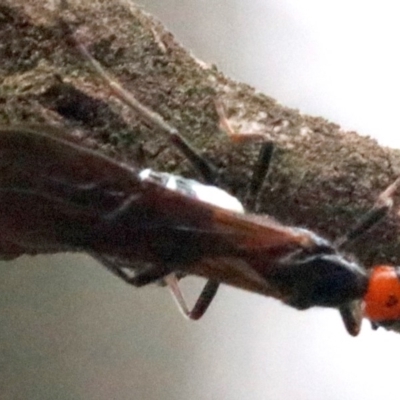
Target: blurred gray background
71,330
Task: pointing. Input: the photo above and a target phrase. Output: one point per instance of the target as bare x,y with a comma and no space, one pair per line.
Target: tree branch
322,178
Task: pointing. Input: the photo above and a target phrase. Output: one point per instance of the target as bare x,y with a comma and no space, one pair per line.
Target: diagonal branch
322,178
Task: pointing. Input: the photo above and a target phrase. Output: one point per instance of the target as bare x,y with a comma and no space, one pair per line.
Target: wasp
295,265
145,227
58,196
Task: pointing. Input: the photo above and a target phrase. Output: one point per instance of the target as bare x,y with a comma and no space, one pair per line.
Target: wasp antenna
382,206
207,171
260,172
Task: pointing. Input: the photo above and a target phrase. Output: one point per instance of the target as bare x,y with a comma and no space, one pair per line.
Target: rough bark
322,178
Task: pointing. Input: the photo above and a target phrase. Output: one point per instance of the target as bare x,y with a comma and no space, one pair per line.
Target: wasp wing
52,191
59,196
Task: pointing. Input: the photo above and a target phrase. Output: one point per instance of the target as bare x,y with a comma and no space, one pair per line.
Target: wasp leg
115,267
202,303
380,209
139,274
151,274
260,172
261,167
207,170
138,279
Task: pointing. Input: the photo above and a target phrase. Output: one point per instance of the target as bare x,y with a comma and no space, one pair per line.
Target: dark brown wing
52,192
58,196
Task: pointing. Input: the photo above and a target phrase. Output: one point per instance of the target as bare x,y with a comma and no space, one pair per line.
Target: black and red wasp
58,196
296,265
145,227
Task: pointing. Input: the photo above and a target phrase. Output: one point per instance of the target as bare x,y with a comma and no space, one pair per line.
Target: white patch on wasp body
191,188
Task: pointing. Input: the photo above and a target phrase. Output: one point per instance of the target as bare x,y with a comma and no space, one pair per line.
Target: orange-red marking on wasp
382,300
